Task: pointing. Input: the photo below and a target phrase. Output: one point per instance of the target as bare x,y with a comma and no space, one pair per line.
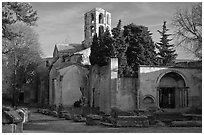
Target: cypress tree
166,50
94,50
120,49
141,48
102,49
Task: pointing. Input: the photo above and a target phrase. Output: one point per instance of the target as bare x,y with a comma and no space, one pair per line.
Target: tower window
92,17
108,19
101,30
100,18
92,30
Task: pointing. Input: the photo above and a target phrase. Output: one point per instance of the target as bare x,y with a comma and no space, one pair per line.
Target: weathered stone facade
160,87
108,91
181,86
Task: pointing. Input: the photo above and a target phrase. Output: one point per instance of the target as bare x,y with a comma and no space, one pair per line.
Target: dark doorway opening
21,97
167,97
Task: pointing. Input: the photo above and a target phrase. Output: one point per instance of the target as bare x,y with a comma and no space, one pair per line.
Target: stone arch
100,18
172,90
148,99
173,71
92,29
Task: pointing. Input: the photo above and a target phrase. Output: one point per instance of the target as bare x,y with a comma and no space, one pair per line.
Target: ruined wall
108,91
72,79
149,81
52,77
99,88
126,94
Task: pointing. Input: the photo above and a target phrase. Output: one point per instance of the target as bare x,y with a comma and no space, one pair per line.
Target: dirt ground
47,124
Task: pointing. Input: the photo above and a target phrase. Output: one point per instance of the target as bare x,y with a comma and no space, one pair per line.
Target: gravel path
47,124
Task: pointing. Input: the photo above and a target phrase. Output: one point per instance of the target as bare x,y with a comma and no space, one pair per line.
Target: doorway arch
172,90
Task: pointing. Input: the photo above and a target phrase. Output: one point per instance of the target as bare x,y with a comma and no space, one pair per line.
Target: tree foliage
188,24
24,58
13,12
20,47
166,50
102,49
120,48
141,48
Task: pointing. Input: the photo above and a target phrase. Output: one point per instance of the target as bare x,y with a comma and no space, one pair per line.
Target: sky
63,22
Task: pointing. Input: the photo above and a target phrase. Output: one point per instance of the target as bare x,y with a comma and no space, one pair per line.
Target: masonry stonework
96,21
187,90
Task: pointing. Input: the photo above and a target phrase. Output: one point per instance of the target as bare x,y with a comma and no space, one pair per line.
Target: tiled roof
63,47
67,48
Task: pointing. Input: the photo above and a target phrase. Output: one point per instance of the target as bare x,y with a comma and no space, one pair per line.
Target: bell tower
95,21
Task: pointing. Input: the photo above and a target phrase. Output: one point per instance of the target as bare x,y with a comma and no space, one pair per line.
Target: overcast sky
63,22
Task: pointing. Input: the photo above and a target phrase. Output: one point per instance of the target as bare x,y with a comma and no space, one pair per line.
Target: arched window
100,18
108,19
100,30
92,30
92,17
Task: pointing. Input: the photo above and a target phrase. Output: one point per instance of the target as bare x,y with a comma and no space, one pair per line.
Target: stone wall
126,94
99,88
108,91
149,78
72,79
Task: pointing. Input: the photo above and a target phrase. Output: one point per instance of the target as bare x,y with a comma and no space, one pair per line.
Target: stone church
72,78
69,73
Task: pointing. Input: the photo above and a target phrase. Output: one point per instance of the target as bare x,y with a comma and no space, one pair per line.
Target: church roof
64,47
69,48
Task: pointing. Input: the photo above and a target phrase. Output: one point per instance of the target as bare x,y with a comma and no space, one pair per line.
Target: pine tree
107,49
102,49
120,49
141,48
166,52
94,47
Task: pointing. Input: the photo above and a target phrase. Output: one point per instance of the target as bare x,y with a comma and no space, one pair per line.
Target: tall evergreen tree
166,52
102,49
120,49
141,48
94,48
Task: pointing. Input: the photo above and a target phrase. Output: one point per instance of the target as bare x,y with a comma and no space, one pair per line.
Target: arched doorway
172,91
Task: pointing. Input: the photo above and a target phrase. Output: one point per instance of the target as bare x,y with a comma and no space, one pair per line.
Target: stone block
22,114
93,119
160,124
186,124
19,127
11,117
195,117
132,121
12,128
78,118
62,114
8,128
47,112
171,116
67,116
54,113
28,114
108,119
